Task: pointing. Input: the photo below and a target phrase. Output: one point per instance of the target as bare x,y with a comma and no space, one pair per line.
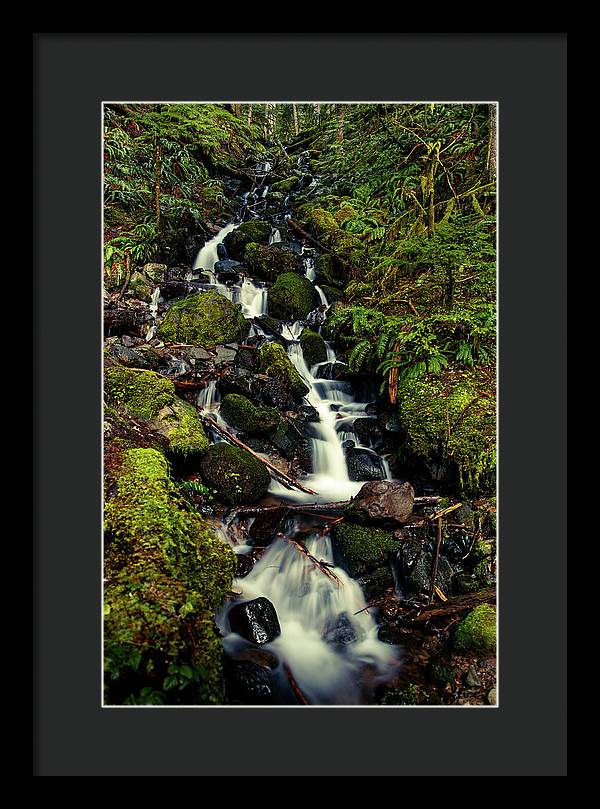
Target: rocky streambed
331,580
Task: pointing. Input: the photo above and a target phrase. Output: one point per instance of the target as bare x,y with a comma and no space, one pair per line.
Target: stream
328,640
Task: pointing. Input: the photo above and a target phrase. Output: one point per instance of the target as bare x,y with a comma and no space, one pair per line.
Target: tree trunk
295,113
249,114
157,188
430,196
492,143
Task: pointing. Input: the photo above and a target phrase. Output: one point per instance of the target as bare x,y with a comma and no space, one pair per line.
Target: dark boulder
228,271
255,620
222,251
174,289
244,565
368,431
383,501
266,526
340,631
247,683
363,464
289,440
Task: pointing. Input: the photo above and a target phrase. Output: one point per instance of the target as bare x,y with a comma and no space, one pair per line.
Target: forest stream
347,564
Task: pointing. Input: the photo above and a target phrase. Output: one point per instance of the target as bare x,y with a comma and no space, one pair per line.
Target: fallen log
457,604
339,505
281,476
436,557
316,562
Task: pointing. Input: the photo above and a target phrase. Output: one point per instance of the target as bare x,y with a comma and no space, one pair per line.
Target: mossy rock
332,294
269,262
450,420
285,186
142,393
477,632
275,363
150,397
236,475
205,319
140,287
291,297
180,424
313,347
240,412
253,231
166,573
360,548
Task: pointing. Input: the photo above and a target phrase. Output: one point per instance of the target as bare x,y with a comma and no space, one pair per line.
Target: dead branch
295,687
457,604
316,562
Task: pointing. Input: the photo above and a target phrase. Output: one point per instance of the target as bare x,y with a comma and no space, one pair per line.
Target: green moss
166,573
477,633
275,363
180,423
344,213
268,262
325,272
205,319
451,418
142,393
236,475
313,347
253,231
361,548
291,297
286,185
241,412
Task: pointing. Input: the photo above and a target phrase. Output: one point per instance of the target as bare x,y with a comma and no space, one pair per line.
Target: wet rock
348,444
204,319
247,683
419,576
262,657
240,412
363,464
340,631
289,440
390,423
472,679
292,247
201,354
331,370
368,431
361,549
244,565
385,501
236,475
313,347
124,318
308,412
376,582
316,317
291,297
266,526
228,271
255,620
224,355
155,272
222,251
275,363
123,354
254,230
269,262
173,289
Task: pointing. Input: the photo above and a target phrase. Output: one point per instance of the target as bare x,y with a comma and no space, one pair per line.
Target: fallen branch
454,605
281,476
316,562
295,687
338,505
436,557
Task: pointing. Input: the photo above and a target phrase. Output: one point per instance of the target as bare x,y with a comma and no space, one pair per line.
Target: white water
154,300
275,236
209,397
207,256
308,603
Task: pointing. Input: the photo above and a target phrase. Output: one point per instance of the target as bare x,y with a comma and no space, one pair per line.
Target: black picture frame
526,74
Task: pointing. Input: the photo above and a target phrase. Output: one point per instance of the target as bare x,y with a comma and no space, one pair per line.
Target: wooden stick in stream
287,481
436,557
295,687
319,565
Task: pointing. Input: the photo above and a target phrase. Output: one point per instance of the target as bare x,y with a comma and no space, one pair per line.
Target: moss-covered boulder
166,573
291,297
325,273
240,412
449,421
205,319
477,632
150,397
286,185
140,287
254,230
313,347
267,262
236,475
360,548
275,363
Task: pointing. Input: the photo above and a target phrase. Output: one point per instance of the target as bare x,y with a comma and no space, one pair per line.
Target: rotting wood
294,685
281,476
320,565
454,605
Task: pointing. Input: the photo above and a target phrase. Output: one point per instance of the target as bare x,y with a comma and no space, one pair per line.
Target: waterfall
207,256
209,397
154,300
275,236
314,612
253,298
309,268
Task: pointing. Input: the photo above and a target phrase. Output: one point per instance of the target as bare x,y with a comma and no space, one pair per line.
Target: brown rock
383,501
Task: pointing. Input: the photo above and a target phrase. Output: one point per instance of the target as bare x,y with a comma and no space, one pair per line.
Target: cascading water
328,639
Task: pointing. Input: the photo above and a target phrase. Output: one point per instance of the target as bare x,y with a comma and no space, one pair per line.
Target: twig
318,564
436,557
295,687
